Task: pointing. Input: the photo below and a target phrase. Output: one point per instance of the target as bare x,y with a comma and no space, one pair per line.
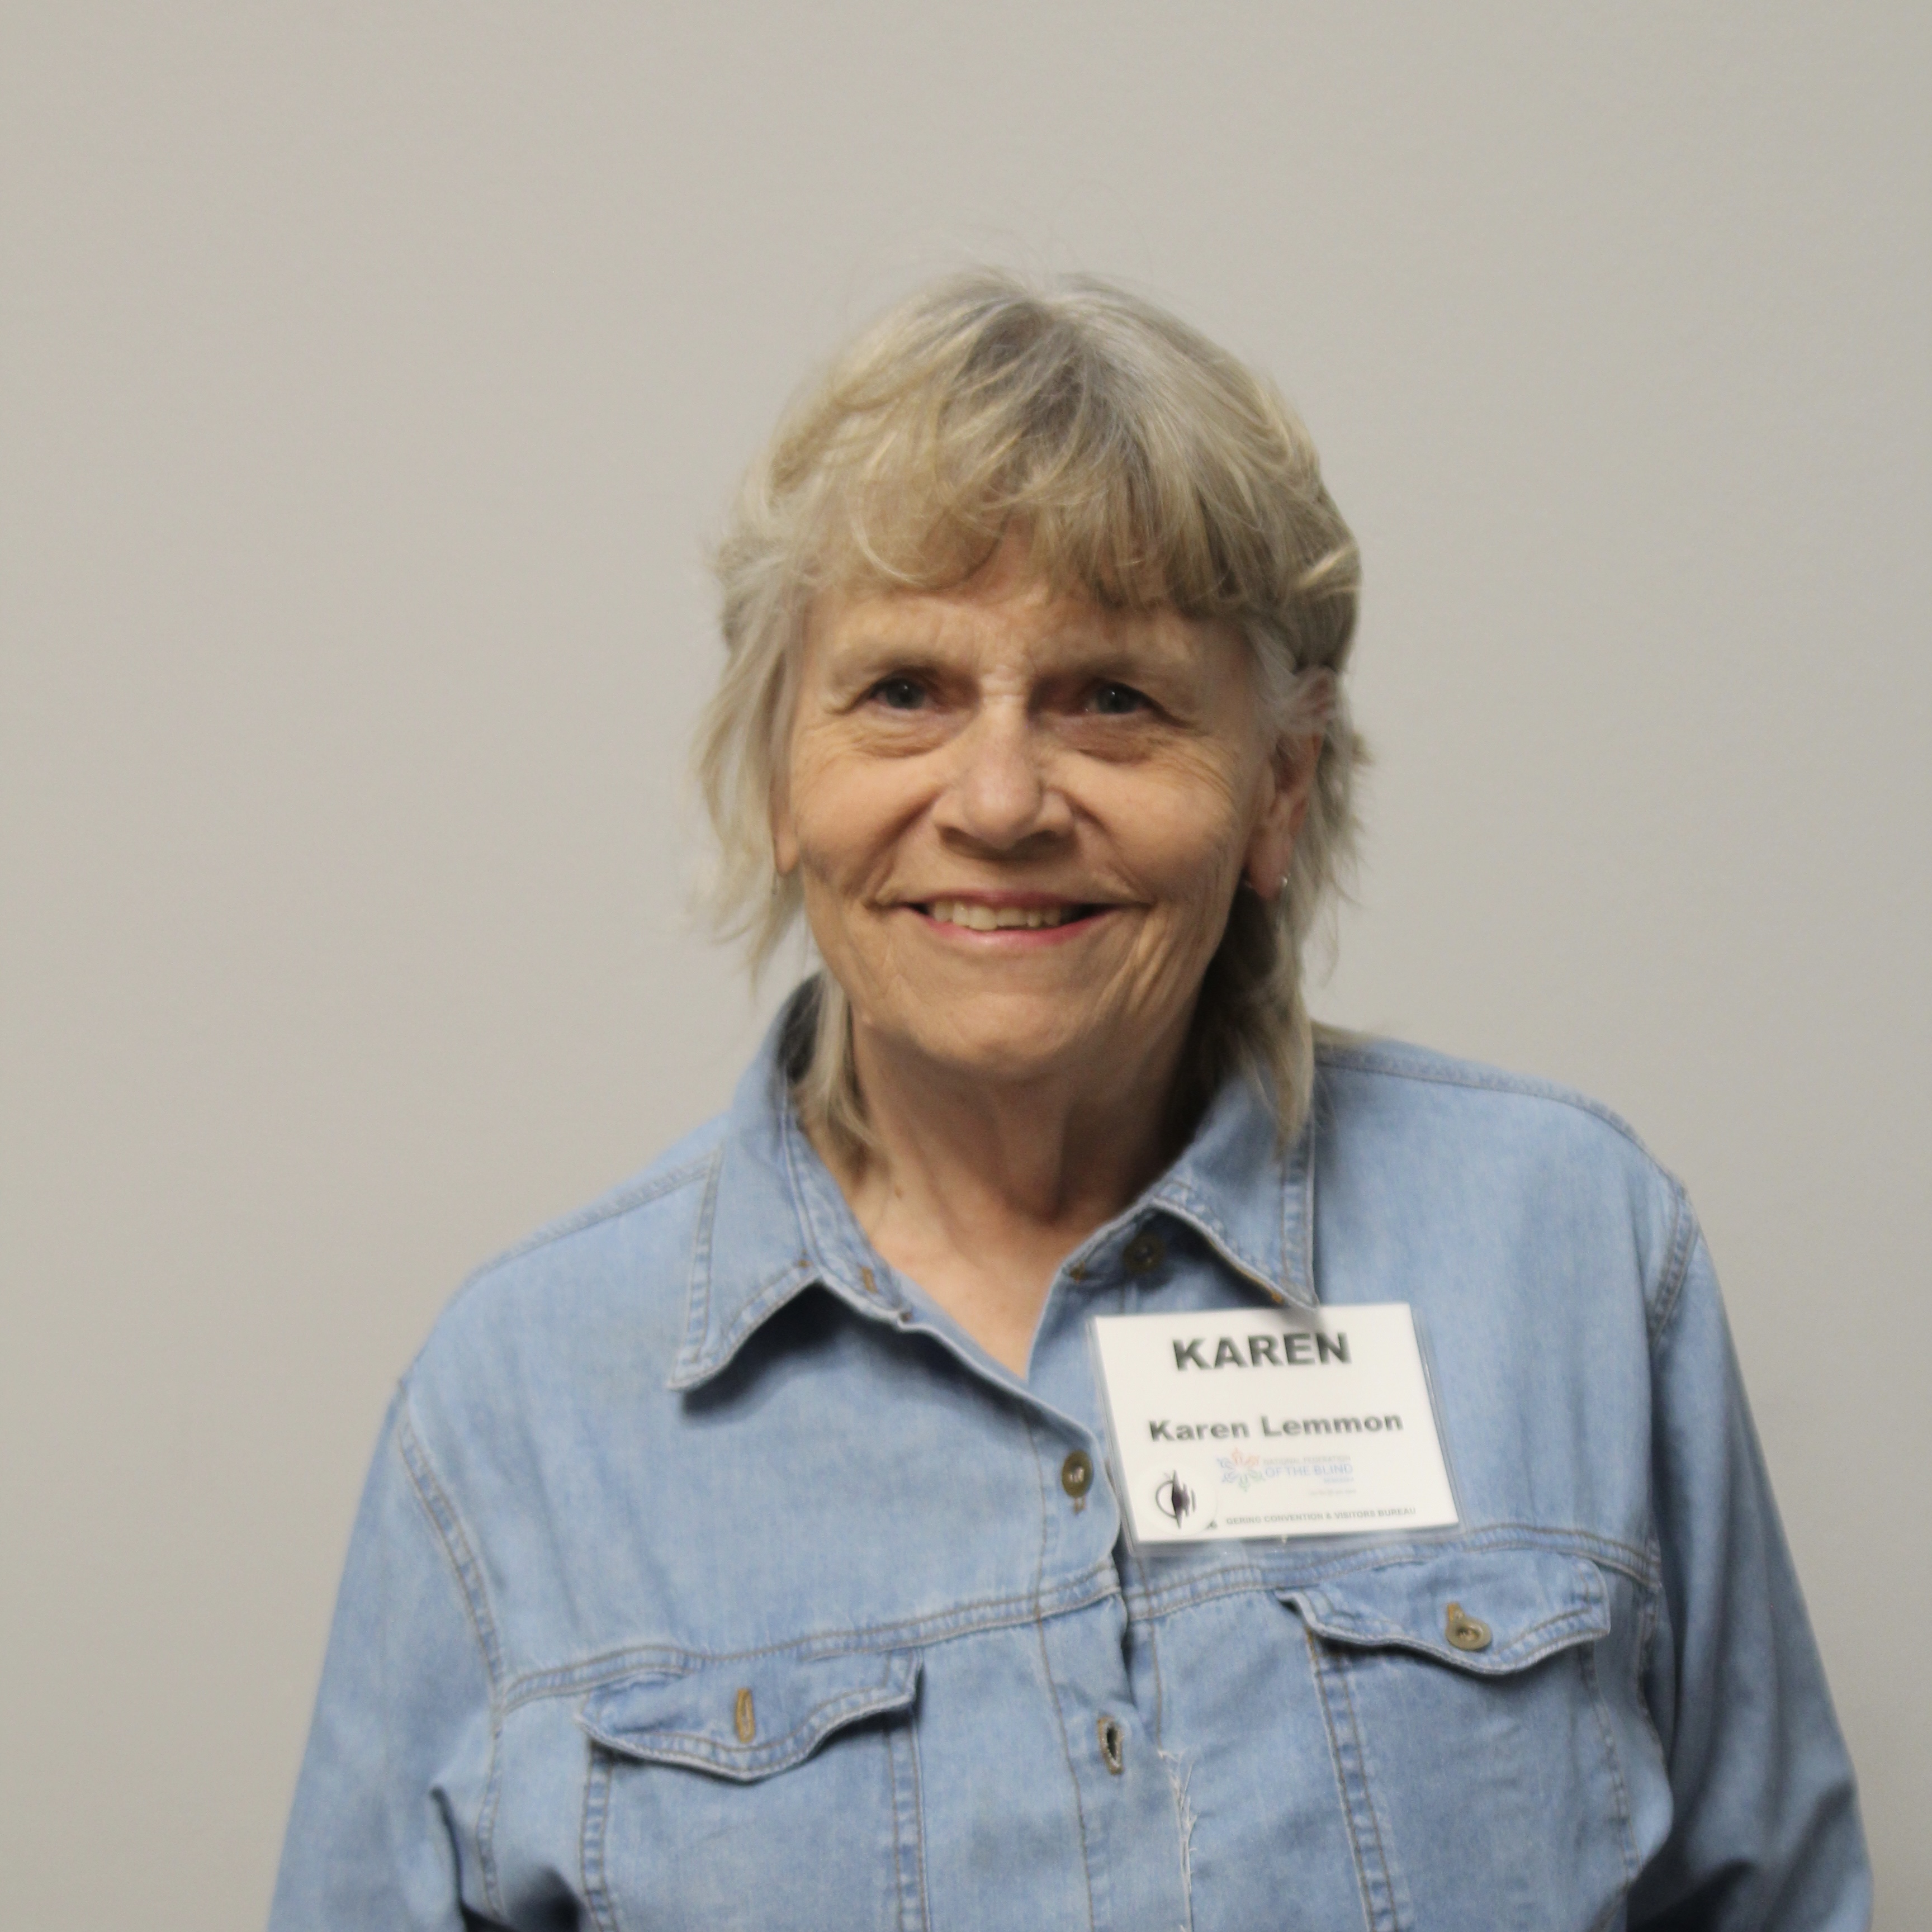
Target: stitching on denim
1392,1063
1586,1656
449,1525
1598,1601
1152,1600
1053,1688
1345,1675
633,1194
1340,1768
1159,1688
1179,1772
780,1289
1684,1237
1653,1598
902,1742
1385,1912
1381,1635
1073,1776
699,1365
486,1814
1093,1585
591,1673
1646,1634
1037,1594
919,1812
797,1744
697,1310
801,1195
1351,1764
899,1834
1176,1197
1078,1592
451,1539
590,1841
919,1822
1179,1196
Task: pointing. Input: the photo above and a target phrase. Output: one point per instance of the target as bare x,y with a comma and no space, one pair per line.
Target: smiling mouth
975,917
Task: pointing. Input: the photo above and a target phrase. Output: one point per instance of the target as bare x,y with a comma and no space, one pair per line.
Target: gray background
372,377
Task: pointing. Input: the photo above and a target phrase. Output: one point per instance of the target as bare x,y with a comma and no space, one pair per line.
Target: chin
1000,1045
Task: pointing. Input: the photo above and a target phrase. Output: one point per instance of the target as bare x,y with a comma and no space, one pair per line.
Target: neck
978,1188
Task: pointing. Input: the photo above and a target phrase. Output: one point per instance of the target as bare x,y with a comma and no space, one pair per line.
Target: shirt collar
773,1221
1252,1199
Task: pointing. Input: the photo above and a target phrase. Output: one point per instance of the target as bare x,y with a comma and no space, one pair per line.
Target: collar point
689,1371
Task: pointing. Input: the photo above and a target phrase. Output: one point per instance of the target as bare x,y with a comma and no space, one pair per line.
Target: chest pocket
774,1790
1470,1736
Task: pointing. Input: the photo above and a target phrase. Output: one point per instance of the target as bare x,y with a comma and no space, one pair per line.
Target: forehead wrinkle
1045,631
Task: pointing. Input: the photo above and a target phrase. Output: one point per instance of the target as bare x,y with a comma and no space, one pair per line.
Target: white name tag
1246,1422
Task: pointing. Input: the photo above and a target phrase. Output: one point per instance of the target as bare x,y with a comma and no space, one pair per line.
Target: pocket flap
748,1717
1507,1608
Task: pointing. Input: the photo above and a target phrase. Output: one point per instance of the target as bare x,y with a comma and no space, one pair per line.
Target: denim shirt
710,1575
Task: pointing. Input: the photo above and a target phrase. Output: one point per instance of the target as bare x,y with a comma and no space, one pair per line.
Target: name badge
1246,1422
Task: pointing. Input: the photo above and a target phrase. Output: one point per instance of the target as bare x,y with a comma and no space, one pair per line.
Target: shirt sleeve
1766,1835
401,1729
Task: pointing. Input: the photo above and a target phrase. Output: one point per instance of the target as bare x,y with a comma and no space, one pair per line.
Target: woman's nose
1000,795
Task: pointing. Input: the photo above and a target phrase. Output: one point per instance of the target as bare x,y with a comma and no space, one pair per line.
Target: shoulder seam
455,1542
1684,1238
639,1193
1390,1063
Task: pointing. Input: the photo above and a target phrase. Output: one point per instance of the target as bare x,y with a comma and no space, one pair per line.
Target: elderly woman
818,1532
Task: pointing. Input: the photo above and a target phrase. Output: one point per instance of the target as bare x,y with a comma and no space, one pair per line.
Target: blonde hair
1143,466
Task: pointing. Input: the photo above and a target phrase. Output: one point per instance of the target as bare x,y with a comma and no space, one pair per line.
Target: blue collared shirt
709,1575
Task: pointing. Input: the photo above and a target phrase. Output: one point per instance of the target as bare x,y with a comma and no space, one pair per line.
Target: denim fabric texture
708,1575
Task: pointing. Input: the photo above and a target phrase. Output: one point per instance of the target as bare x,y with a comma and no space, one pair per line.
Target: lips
977,917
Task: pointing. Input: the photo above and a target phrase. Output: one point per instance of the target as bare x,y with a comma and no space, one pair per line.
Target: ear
1283,804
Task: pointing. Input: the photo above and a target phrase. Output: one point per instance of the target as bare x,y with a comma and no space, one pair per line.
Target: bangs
1142,466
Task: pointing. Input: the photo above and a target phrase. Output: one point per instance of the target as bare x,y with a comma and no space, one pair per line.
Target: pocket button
1465,1632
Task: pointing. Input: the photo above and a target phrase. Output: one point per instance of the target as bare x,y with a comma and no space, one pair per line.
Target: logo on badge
1174,1498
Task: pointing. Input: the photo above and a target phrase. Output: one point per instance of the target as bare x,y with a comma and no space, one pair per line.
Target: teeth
989,919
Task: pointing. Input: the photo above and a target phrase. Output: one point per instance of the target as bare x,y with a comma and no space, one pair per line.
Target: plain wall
372,378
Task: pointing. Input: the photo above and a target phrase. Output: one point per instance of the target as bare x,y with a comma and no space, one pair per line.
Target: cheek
1182,840
832,810
852,818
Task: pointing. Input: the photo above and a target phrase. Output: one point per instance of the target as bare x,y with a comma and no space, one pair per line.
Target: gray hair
1144,467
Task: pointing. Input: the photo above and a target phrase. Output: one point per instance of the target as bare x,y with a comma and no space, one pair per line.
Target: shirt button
1146,1250
1076,1474
1113,1744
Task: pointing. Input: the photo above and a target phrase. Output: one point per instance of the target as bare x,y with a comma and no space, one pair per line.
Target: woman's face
1020,821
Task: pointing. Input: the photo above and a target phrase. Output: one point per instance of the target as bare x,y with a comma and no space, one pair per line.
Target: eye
898,694
1117,701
